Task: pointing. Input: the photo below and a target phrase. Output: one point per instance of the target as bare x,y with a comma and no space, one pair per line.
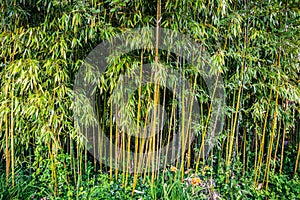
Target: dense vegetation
253,46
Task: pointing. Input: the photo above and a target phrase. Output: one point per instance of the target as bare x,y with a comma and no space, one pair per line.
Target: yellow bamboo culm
201,149
12,135
136,159
156,90
110,144
269,157
277,144
117,148
7,153
274,125
282,149
261,151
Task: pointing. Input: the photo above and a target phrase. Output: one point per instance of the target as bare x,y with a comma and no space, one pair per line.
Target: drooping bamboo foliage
253,46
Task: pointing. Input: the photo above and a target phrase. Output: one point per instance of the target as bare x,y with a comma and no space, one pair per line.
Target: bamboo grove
253,45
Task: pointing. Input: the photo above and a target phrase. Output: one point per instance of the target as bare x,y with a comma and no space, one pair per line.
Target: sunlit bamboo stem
262,143
137,159
12,134
269,156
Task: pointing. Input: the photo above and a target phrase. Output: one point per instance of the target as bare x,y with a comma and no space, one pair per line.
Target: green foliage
253,45
168,185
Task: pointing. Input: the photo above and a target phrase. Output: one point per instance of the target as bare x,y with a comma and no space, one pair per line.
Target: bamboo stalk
7,153
190,121
228,161
277,144
282,147
156,87
261,151
244,150
110,143
117,147
256,147
274,125
137,160
297,160
12,134
269,157
201,150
